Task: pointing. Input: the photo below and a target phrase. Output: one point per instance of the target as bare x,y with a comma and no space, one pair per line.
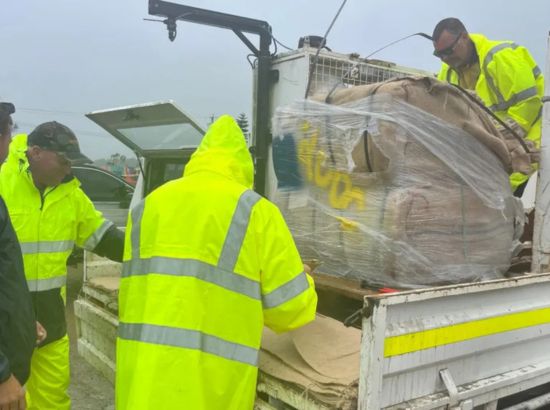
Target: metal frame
239,25
541,234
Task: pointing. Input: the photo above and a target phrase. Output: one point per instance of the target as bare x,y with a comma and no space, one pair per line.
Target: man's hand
12,395
41,334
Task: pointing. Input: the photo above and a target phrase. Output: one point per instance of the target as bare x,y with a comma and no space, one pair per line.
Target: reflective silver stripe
135,235
38,285
95,238
237,230
516,98
195,269
286,292
46,247
536,71
188,339
487,60
496,49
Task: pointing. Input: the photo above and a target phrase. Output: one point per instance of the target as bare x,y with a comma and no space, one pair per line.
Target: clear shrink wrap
393,191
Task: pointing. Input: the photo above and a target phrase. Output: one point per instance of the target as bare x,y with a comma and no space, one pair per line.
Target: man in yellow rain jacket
207,263
50,214
503,74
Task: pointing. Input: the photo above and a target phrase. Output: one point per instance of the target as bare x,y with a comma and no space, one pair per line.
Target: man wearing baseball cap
51,214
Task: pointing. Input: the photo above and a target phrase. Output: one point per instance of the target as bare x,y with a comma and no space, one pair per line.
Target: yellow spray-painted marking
428,339
347,224
342,194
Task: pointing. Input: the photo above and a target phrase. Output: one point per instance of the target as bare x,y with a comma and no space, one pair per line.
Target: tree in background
242,121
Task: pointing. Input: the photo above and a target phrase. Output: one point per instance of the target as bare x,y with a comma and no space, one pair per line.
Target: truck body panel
443,346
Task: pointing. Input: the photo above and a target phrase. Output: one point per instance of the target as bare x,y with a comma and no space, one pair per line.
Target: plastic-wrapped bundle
380,190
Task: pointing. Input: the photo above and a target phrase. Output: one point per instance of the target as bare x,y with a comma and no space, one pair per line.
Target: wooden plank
260,404
288,394
96,327
97,359
108,300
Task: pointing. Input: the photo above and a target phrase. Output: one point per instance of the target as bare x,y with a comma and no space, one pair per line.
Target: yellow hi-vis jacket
510,83
207,263
47,226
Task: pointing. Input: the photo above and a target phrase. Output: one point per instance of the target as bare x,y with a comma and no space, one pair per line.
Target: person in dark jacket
17,324
51,214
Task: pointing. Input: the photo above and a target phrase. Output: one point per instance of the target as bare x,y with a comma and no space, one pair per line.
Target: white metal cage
332,69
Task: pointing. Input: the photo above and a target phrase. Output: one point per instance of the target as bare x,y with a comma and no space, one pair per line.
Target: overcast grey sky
62,58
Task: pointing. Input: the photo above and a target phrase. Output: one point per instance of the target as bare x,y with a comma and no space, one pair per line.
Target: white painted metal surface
541,236
331,69
489,340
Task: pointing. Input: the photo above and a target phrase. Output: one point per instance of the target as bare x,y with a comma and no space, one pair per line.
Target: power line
31,125
49,111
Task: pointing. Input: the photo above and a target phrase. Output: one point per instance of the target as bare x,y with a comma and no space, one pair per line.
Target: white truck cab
162,136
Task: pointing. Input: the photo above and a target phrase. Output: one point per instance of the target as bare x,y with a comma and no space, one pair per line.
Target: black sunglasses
447,51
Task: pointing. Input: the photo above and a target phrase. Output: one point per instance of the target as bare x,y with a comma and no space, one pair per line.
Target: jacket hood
17,156
223,151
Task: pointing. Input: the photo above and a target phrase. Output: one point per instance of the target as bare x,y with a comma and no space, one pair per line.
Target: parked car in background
110,194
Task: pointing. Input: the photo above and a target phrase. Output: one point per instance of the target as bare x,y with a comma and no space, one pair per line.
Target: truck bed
462,345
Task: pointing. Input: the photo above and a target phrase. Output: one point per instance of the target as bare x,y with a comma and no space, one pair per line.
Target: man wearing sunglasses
51,214
503,74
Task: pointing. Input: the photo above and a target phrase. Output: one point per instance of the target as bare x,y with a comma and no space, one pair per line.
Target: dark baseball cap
53,136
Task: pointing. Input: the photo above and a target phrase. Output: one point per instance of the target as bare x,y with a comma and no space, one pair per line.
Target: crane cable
327,99
321,45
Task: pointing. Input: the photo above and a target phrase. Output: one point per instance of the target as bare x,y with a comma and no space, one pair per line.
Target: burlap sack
321,359
449,104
